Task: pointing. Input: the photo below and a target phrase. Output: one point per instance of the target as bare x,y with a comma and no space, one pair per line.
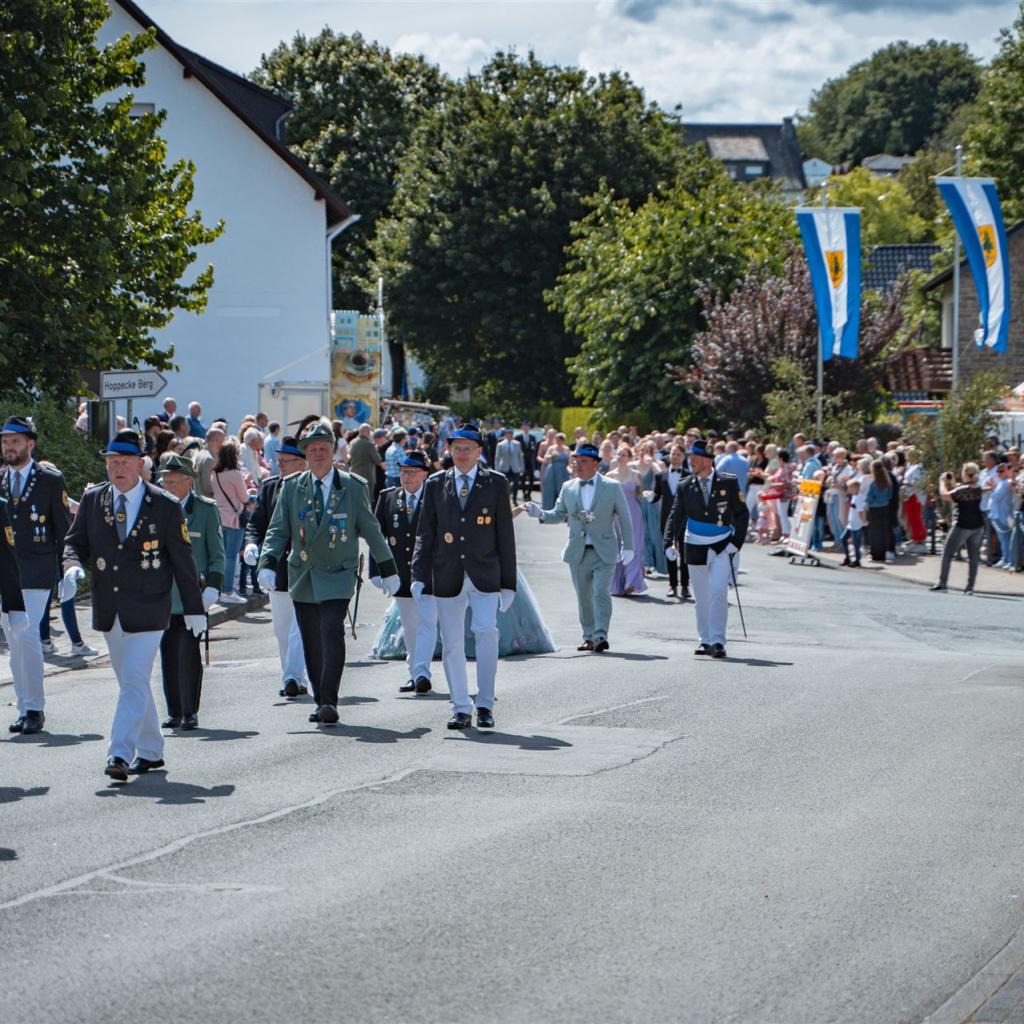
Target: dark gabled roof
888,263
262,105
945,275
249,103
887,163
778,141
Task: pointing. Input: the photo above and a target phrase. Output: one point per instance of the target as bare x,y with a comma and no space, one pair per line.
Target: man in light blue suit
591,504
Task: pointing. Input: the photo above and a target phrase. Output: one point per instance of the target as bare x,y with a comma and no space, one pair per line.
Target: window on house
140,109
754,170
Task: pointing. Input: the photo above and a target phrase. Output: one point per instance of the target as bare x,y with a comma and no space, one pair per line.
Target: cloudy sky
730,60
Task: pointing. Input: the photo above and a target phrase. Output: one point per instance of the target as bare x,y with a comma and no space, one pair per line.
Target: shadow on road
57,739
215,735
759,662
508,739
6,853
355,699
432,695
620,655
12,794
156,786
363,733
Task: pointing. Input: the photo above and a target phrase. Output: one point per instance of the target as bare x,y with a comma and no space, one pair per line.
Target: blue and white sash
699,532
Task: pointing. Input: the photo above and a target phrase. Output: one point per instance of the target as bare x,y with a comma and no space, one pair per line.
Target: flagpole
819,398
956,291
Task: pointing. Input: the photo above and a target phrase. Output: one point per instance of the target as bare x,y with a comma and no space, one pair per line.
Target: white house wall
268,304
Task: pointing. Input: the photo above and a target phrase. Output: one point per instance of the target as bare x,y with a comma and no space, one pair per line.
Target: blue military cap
19,425
588,451
126,442
467,432
700,447
290,446
415,459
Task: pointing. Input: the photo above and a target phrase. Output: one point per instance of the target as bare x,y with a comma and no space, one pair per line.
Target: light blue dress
556,472
654,545
521,630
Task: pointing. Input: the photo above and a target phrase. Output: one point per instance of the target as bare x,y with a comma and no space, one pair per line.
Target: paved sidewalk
64,662
924,570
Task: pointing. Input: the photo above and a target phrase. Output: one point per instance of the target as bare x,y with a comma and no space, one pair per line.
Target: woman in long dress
556,471
521,630
649,468
629,579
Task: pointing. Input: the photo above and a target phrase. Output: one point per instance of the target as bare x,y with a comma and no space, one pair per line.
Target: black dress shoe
315,715
34,721
328,715
600,645
672,592
291,688
189,722
117,768
423,685
484,718
407,687
460,720
684,594
17,725
171,723
937,586
718,650
703,649
141,765
587,645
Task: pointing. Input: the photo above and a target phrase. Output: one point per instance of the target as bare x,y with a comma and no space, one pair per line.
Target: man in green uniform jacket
322,513
180,660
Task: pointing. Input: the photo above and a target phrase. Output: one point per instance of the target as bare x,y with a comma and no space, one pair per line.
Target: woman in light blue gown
521,629
648,467
556,471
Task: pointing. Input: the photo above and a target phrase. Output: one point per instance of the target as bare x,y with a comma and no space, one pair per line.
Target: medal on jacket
332,532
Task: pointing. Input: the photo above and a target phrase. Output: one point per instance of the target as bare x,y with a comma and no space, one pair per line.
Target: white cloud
454,52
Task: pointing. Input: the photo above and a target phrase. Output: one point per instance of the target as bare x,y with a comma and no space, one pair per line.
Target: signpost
129,384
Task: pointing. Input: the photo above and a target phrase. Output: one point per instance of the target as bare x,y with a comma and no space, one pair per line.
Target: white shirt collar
133,501
471,474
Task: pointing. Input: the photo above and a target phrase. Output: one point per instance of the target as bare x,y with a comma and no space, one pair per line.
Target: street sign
115,384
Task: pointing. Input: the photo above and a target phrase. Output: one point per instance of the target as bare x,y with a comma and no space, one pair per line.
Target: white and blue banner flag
832,242
978,219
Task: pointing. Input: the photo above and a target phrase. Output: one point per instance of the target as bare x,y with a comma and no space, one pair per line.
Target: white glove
505,600
251,554
66,589
210,595
647,495
533,510
731,549
375,581
417,589
75,574
18,622
671,554
625,556
196,624
267,579
392,584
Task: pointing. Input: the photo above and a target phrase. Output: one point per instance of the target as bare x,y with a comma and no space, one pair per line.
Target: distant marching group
440,543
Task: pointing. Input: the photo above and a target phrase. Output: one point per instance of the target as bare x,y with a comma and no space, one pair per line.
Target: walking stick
354,608
206,638
736,587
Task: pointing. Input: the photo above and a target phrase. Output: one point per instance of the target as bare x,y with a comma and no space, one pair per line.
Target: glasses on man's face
463,449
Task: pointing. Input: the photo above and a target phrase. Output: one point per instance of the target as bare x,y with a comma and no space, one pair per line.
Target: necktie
410,504
706,488
16,487
463,490
318,502
122,517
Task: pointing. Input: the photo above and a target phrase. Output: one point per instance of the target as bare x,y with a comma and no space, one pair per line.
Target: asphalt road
825,827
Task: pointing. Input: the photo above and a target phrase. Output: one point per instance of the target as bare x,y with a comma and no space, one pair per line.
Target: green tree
482,215
356,108
792,406
631,290
888,216
893,102
95,230
994,143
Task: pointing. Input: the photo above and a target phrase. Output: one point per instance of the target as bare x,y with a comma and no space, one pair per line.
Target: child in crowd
854,523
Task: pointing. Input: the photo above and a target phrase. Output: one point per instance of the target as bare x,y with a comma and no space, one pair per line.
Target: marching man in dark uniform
466,554
665,486
709,519
136,541
282,610
321,514
13,616
40,518
180,660
398,512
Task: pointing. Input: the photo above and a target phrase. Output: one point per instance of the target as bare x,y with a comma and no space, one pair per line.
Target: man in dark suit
136,541
529,443
40,518
12,604
282,611
466,555
709,519
398,512
665,487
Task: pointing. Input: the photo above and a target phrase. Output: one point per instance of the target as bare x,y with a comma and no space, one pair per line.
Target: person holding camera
968,523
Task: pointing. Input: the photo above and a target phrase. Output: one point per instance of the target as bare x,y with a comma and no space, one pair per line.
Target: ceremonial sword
736,587
354,607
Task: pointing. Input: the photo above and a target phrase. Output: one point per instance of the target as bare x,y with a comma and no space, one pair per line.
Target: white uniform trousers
451,613
710,585
289,639
136,727
419,630
27,653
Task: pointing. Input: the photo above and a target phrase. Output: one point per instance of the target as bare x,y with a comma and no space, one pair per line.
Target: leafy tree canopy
893,102
631,291
95,230
482,213
888,216
356,108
